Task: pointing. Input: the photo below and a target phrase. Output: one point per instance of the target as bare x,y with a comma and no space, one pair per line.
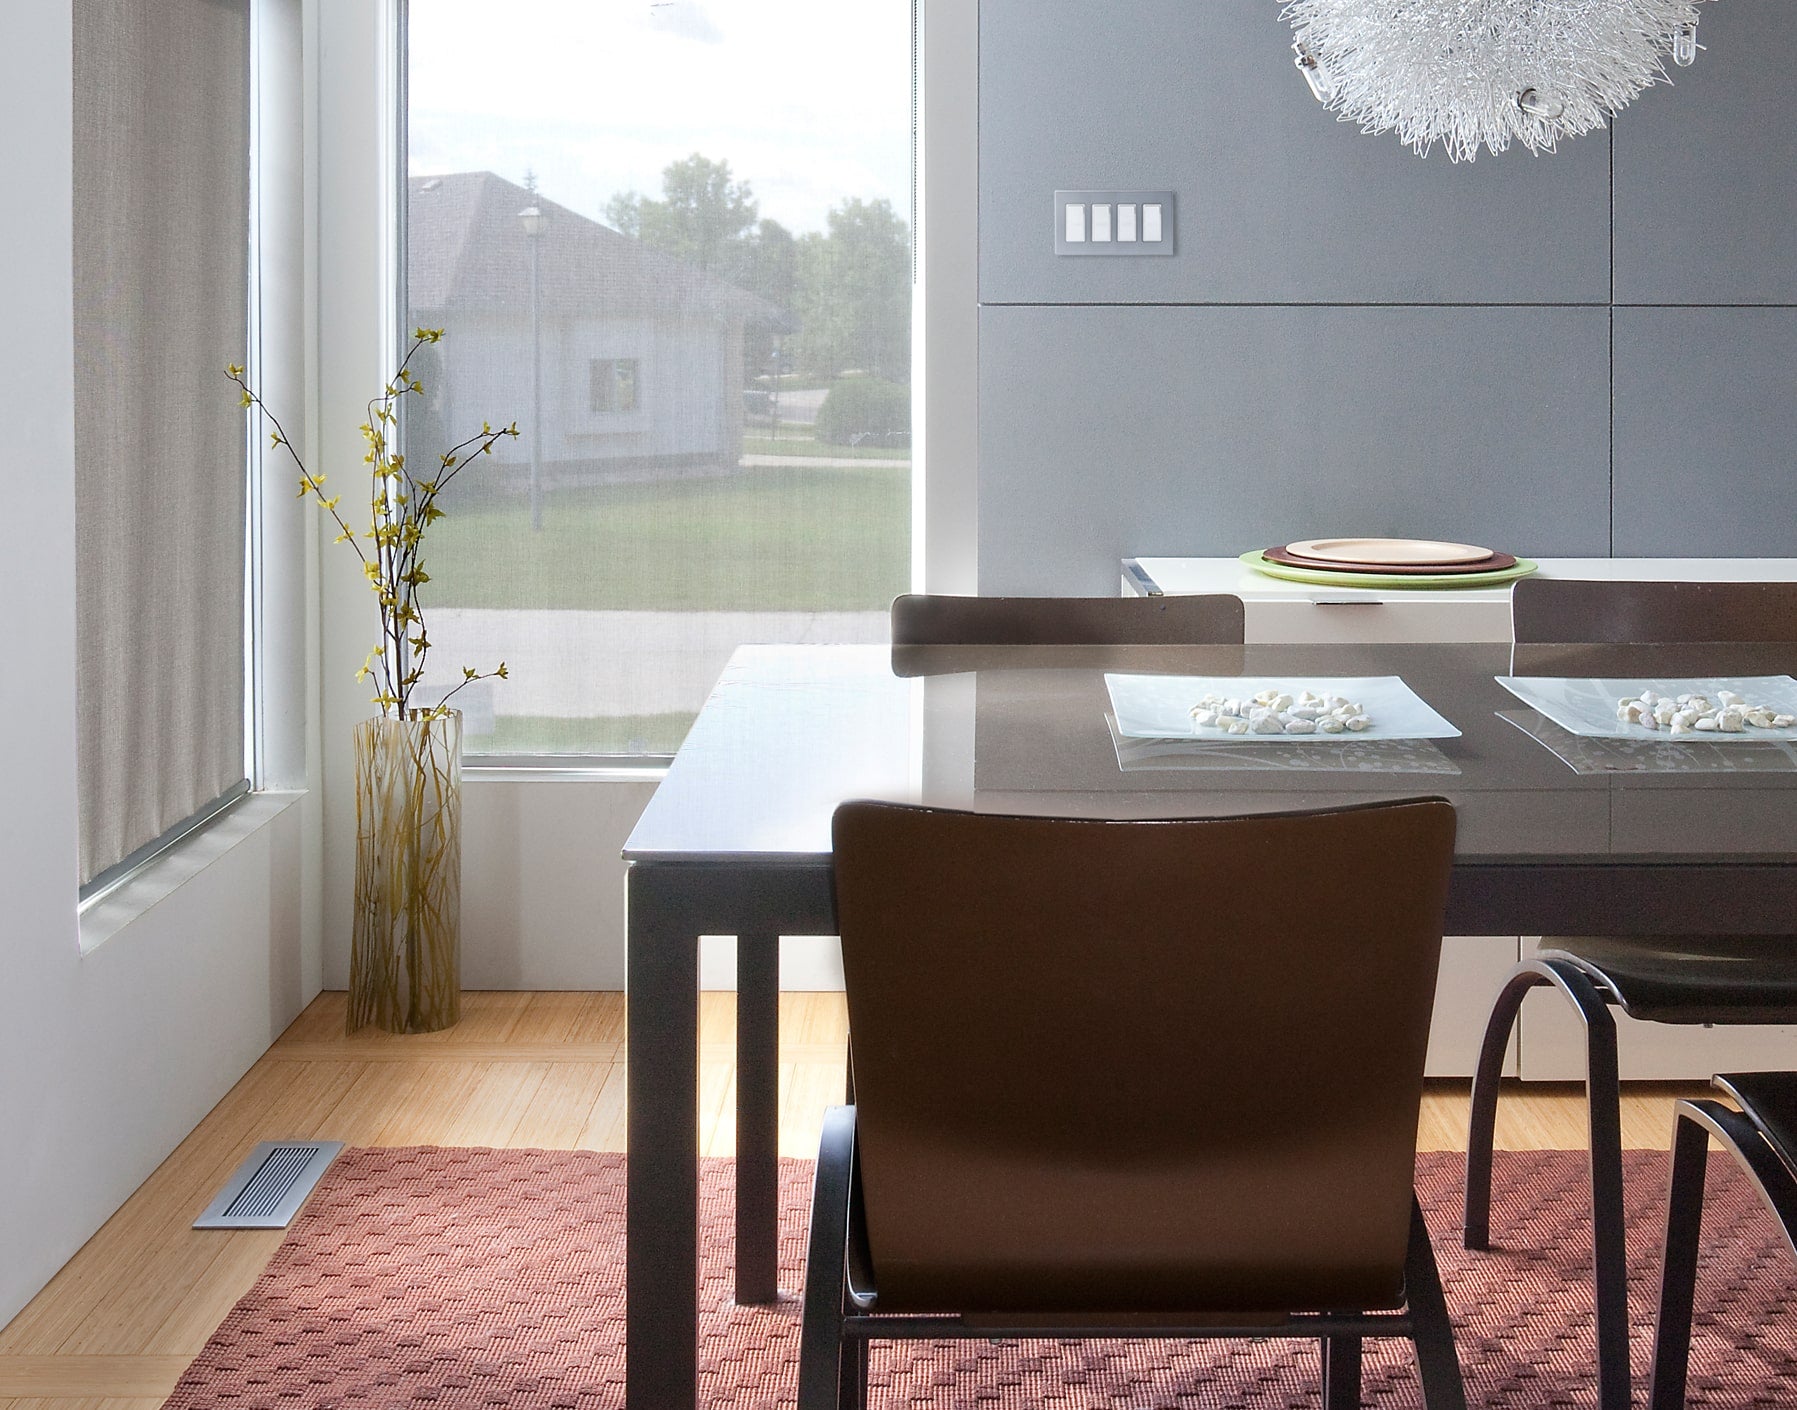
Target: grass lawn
810,445
599,734
791,538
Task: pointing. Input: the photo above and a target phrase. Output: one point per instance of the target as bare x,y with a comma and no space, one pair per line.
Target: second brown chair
1663,979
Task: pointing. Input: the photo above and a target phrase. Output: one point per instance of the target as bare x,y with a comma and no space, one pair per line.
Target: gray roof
467,250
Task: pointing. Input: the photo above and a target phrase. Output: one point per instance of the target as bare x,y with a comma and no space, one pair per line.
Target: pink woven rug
455,1277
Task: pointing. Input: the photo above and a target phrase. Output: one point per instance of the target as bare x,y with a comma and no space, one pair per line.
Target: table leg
757,1118
661,1326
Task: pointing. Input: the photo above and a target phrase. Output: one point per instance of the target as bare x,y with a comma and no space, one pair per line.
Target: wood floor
118,1325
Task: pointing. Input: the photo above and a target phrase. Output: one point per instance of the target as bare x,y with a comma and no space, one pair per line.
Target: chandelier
1484,73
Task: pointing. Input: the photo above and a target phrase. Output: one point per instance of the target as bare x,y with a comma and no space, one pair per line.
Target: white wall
106,1059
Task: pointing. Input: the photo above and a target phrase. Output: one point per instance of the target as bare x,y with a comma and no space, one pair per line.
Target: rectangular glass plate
1688,754
1587,705
1351,754
1160,707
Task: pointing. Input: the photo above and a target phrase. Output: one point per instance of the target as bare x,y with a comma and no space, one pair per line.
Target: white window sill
168,871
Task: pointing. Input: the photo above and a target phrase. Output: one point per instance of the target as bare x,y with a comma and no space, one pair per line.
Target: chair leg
1772,1178
1483,1119
1678,1274
1609,1257
852,1390
821,1349
1437,1361
1341,1373
1609,1252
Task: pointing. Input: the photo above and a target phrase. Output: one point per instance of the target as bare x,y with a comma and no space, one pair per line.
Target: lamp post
534,222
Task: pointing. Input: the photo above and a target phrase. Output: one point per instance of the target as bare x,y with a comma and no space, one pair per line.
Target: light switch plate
1112,244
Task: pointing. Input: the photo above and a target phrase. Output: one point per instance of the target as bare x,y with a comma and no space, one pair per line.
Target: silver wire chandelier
1484,73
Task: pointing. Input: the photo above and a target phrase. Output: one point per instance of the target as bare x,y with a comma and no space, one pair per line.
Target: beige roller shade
161,305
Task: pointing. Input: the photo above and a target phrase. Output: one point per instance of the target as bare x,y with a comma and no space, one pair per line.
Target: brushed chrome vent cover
270,1186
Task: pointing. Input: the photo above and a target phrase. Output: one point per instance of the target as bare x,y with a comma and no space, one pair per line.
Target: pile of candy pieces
1276,712
1729,713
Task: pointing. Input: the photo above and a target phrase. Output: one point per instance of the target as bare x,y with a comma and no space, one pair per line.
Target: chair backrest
1585,610
1143,1066
923,619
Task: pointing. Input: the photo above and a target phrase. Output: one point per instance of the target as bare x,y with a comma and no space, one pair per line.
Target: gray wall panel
1706,171
1106,432
1706,431
1278,201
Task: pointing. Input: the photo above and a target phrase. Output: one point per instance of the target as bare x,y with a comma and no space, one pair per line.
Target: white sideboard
1549,1044
1282,611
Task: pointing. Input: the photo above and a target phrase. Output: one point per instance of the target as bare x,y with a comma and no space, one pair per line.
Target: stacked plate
1364,562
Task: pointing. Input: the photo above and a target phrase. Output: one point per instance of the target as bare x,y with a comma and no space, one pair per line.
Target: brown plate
1494,564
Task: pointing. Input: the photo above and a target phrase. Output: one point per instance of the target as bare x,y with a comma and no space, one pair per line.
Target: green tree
703,218
853,293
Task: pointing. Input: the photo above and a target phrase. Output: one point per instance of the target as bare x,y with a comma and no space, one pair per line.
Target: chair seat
1770,1100
1691,979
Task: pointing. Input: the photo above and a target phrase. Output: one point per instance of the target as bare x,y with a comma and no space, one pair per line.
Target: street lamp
535,222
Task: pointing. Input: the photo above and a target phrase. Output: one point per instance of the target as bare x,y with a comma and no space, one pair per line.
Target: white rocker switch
1113,223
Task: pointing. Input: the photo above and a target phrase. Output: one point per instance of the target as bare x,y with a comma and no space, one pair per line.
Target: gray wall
1582,353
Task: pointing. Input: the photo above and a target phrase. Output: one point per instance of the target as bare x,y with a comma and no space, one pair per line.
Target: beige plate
1383,551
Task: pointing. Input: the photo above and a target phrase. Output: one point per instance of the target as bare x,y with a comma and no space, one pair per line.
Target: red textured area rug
452,1278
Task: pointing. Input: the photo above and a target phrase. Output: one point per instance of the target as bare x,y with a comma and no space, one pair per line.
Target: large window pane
671,241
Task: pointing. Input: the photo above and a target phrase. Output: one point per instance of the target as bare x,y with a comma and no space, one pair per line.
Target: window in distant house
722,188
612,384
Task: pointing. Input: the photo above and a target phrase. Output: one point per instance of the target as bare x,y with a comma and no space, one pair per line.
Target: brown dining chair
1131,1078
1664,979
929,619
1762,1137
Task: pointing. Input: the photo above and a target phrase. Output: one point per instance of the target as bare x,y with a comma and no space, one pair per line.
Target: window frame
360,49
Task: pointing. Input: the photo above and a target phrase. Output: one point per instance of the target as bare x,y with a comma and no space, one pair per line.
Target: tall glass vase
405,971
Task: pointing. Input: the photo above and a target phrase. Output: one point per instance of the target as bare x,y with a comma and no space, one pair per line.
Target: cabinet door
1473,968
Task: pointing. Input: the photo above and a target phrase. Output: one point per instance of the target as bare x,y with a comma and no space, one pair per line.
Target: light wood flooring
117,1326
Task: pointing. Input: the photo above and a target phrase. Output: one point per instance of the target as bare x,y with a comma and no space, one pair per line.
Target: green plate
1324,577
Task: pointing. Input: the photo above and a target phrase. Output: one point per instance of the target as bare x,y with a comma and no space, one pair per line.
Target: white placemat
1160,707
1587,705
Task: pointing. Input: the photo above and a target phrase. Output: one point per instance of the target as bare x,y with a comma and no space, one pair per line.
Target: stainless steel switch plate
1113,224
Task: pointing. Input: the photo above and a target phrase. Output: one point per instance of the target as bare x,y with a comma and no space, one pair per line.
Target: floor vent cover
270,1186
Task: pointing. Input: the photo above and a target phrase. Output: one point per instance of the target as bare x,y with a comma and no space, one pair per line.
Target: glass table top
791,731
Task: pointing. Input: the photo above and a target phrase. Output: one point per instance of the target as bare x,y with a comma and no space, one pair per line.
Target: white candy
1728,697
1268,723
1731,721
1358,722
1707,724
1236,725
1203,717
1783,721
1330,725
1301,726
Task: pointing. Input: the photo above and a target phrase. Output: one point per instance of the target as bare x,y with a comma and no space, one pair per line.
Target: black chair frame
1585,991
1695,1123
840,1320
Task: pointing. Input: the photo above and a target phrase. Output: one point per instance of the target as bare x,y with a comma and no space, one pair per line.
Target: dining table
1558,834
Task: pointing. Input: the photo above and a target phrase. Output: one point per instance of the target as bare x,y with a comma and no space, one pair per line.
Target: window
613,384
673,243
